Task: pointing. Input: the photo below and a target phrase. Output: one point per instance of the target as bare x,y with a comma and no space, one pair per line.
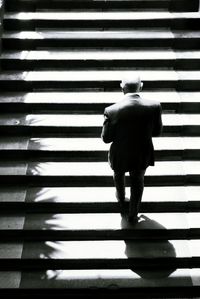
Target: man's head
131,84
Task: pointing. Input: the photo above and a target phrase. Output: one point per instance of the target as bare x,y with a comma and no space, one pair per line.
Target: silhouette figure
129,126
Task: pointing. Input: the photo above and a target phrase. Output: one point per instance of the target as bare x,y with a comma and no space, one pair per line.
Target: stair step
140,37
85,199
29,21
137,254
92,250
90,149
101,282
175,5
61,227
98,226
19,81
92,102
86,125
81,195
98,58
87,174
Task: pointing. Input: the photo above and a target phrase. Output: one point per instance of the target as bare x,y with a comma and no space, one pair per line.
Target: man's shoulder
114,107
127,102
150,102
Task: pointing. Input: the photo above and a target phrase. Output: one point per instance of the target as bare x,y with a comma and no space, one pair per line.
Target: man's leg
137,187
119,181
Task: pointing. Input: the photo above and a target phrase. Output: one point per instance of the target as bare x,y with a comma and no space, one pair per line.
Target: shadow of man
148,250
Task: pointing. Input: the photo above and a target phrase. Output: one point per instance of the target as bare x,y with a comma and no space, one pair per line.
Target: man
130,125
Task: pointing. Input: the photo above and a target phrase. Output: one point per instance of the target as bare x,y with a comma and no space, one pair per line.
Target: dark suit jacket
130,124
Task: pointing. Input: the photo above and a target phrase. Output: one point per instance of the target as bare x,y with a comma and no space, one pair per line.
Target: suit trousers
136,188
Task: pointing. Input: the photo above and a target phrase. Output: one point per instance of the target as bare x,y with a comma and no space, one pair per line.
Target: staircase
61,231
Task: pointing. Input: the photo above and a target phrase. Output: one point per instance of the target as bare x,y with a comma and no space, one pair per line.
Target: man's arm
107,130
157,130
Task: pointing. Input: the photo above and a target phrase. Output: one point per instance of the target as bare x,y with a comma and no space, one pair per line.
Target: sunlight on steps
61,227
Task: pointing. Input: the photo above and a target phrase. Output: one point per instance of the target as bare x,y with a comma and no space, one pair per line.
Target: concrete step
127,254
86,19
61,230
101,283
175,5
88,195
140,37
161,199
90,149
34,227
87,174
100,59
106,80
86,125
92,102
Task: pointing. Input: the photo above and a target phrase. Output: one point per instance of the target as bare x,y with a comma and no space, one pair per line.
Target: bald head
131,84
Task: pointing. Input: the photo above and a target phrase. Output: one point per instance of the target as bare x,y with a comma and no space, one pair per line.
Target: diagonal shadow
149,249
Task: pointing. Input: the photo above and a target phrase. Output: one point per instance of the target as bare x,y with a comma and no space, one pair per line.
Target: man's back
131,123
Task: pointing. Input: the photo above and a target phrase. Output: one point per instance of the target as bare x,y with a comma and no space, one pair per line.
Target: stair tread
94,54
107,278
89,75
83,280
85,120
140,33
81,195
107,194
163,168
159,143
122,34
90,144
84,169
92,222
88,15
94,97
103,54
91,250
